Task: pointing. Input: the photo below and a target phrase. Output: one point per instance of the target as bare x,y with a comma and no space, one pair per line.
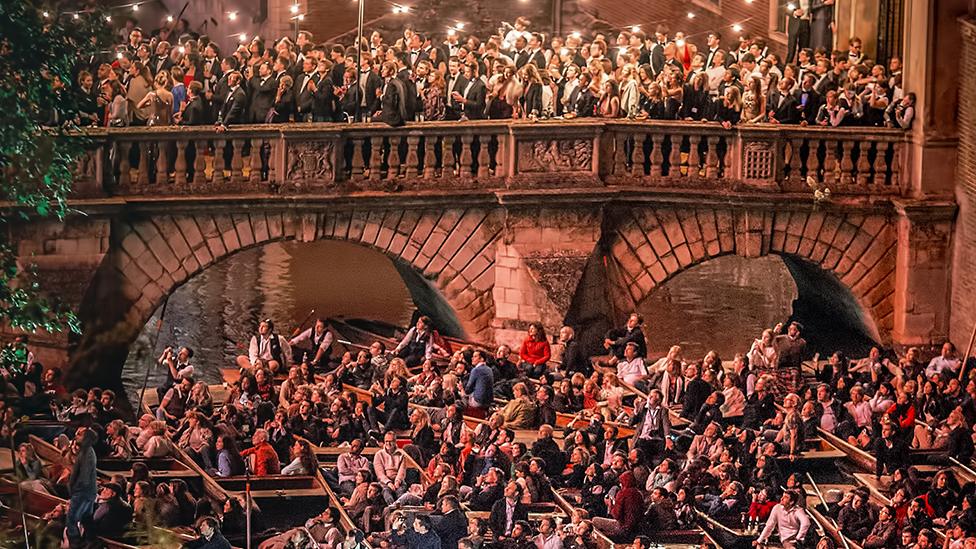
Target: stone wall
964,276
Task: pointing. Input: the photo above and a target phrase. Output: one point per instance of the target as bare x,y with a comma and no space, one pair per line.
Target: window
779,15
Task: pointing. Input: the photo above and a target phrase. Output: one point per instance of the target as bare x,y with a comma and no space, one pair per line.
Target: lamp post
359,53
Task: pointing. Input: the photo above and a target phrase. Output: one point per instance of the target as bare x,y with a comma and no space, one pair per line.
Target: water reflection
722,304
216,311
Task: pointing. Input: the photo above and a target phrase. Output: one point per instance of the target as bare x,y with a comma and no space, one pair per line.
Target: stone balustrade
491,155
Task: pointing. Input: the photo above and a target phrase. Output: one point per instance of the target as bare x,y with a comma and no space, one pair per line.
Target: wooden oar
298,329
843,538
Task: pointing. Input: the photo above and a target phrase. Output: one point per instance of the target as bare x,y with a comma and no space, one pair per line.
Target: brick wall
964,276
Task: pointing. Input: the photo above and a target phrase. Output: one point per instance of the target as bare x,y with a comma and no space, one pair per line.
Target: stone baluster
218,172
639,158
621,161
179,165
413,156
796,163
357,158
813,161
846,163
125,170
375,158
657,156
501,156
143,177
200,161
881,165
896,167
674,170
830,162
162,161
863,164
254,167
273,145
727,170
447,157
429,157
484,140
711,156
394,160
465,169
237,162
693,158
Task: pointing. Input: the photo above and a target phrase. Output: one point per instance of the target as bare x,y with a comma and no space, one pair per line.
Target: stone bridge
512,222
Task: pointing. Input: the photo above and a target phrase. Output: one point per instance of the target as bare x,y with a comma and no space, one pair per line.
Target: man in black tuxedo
474,95
324,100
304,91
196,112
393,108
232,111
520,55
456,82
536,55
714,44
782,104
262,89
370,87
450,524
415,53
808,101
161,61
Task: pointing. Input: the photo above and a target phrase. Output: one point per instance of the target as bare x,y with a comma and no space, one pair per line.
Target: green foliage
41,47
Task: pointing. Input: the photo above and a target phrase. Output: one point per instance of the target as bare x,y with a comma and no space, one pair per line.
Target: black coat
232,111
783,111
497,520
696,391
217,541
262,98
325,104
454,112
393,104
196,113
450,528
304,95
474,106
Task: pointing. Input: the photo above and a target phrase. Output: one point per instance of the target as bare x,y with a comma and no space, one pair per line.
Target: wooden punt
36,504
159,468
813,507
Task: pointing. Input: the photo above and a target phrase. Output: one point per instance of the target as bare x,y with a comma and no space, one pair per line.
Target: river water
722,304
216,312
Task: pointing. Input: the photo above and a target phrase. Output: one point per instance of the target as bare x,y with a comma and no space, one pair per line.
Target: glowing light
405,9
791,6
301,17
635,28
564,51
691,15
232,15
108,18
576,34
451,32
242,37
135,7
118,55
169,18
460,25
506,44
680,42
293,8
75,16
181,49
46,15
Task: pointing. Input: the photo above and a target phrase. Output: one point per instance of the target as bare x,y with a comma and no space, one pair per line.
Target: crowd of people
178,77
651,445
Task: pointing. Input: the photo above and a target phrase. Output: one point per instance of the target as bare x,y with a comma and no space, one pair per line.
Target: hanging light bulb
169,18
635,28
47,15
232,15
460,25
680,42
135,7
451,32
75,16
691,15
242,37
301,17
737,27
294,8
576,34
405,9
108,18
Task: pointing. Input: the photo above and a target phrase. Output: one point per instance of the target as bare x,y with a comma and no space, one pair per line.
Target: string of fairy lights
297,15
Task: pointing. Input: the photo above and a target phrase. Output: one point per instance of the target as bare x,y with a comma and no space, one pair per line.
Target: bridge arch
151,255
647,246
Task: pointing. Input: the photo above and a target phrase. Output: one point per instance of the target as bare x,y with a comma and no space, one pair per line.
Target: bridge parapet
492,155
